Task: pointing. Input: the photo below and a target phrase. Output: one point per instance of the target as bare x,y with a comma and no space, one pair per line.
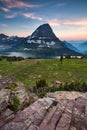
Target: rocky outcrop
66,95
31,117
21,94
5,113
13,100
4,99
57,111
5,81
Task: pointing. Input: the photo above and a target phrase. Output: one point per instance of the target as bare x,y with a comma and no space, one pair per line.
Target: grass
15,105
29,71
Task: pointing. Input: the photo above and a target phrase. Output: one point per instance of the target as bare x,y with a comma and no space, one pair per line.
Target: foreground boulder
57,111
5,113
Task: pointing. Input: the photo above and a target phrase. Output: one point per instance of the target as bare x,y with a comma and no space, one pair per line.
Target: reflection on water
17,54
27,55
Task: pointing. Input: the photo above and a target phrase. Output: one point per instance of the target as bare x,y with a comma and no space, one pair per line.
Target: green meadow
31,70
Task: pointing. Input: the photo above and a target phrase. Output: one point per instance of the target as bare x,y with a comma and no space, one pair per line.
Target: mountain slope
44,42
2,36
83,46
8,43
43,36
70,46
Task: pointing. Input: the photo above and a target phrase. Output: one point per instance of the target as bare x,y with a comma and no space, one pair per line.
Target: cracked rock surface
56,111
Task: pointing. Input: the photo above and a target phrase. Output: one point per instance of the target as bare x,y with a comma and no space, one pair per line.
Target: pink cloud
53,22
75,36
77,22
11,16
17,4
5,9
32,16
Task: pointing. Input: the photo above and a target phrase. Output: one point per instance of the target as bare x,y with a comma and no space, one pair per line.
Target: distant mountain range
80,45
41,43
69,45
83,46
7,42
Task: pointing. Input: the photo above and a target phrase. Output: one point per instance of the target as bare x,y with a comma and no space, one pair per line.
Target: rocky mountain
43,42
43,36
2,36
8,42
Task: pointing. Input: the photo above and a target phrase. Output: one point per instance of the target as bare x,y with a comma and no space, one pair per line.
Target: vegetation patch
42,87
15,105
12,86
41,74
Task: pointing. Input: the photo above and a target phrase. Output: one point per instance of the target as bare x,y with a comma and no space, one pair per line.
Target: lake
26,55
17,54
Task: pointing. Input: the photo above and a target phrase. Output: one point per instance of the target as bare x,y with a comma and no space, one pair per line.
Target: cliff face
56,111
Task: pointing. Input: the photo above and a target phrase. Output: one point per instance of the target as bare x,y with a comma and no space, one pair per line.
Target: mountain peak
3,36
43,32
46,25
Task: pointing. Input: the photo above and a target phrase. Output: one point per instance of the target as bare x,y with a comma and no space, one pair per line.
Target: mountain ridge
42,41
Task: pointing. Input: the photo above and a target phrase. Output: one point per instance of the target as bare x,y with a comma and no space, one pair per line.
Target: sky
68,18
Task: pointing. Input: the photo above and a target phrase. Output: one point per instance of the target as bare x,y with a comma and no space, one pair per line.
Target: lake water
27,55
17,54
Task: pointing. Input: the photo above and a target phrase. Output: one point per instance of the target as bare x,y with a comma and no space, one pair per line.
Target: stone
6,116
66,95
22,95
56,111
31,116
32,97
58,83
4,99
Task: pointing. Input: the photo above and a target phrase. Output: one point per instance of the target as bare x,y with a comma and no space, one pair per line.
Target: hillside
83,46
70,46
29,71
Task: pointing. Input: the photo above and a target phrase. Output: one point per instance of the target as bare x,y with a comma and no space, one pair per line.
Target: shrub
14,58
40,86
12,87
75,86
15,105
1,58
41,83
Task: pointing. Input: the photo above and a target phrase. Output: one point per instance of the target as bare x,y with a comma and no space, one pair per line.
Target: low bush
42,87
15,105
14,58
12,86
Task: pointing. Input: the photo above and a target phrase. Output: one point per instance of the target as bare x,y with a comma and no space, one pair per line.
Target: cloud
17,4
11,16
60,4
4,25
56,22
76,22
32,16
53,22
5,9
